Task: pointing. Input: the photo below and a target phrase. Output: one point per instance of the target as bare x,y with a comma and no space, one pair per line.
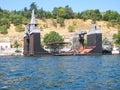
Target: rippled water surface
60,73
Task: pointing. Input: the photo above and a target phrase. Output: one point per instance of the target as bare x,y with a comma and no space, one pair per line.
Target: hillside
47,26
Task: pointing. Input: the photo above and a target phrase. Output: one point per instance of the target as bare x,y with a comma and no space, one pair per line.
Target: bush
52,37
3,29
108,25
4,21
118,27
116,38
85,42
41,28
43,19
24,20
54,23
19,28
17,19
71,28
60,21
16,44
45,25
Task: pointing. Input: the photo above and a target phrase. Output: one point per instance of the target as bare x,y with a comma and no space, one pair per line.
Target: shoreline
21,54
12,52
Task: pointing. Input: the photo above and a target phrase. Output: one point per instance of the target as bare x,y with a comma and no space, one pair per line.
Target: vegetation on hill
58,16
116,38
59,13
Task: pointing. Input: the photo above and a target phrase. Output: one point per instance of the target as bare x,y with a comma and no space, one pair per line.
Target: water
60,73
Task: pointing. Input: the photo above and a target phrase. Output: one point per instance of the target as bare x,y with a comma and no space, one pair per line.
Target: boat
106,47
115,50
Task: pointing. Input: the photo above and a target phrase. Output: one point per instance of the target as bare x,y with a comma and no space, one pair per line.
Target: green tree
110,15
60,21
104,39
24,20
52,37
16,44
33,6
17,19
96,15
85,42
25,9
91,14
11,16
63,12
119,27
71,28
84,15
59,12
40,13
116,38
54,12
77,15
48,14
3,29
26,13
4,21
69,12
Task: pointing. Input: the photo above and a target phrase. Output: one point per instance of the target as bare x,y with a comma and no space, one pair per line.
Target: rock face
32,44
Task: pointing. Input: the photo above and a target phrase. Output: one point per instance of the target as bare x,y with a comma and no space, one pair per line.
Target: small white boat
115,50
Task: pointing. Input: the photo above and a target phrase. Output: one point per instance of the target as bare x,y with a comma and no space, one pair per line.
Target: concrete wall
5,46
95,40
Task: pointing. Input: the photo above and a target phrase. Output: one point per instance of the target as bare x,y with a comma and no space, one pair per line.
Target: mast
33,21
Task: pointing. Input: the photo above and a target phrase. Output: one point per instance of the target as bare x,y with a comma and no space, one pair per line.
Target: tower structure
81,34
78,41
94,38
32,44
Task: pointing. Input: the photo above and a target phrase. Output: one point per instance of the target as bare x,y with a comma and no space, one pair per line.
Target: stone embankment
11,52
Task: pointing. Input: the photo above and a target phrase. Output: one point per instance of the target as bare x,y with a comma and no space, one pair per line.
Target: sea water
60,72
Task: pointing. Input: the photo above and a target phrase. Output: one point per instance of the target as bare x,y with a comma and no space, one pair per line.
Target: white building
5,46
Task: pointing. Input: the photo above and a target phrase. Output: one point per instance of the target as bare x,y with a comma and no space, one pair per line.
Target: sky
76,5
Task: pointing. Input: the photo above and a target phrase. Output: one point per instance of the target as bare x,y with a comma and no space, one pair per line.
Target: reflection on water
56,72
